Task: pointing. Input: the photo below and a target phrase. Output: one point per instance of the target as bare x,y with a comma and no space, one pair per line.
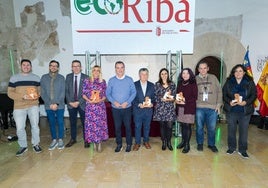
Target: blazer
69,90
140,98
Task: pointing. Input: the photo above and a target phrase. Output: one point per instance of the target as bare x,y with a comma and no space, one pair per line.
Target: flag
262,90
247,63
249,70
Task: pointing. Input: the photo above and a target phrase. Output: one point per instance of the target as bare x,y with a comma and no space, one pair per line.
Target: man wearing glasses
52,93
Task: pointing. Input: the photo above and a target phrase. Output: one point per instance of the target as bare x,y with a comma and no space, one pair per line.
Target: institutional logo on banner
132,26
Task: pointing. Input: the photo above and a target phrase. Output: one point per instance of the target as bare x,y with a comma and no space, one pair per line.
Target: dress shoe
70,143
147,145
213,149
86,145
118,148
128,148
200,147
136,147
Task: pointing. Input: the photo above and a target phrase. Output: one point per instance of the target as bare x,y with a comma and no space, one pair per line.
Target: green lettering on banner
83,6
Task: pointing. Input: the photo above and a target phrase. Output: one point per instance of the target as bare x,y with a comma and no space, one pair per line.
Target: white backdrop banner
132,26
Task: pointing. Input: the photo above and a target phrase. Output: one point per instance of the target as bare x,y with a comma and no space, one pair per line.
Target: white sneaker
53,145
60,144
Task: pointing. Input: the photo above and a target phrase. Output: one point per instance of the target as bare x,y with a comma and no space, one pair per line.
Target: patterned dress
164,111
96,129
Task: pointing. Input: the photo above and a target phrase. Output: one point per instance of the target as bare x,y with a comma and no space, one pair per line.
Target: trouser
73,121
20,116
143,119
122,116
208,117
241,121
56,118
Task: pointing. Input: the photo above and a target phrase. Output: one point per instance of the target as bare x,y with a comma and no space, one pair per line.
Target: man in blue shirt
121,92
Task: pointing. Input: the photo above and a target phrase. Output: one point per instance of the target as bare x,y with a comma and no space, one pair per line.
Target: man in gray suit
75,102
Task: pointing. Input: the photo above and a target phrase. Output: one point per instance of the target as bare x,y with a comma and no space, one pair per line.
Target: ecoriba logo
161,11
102,7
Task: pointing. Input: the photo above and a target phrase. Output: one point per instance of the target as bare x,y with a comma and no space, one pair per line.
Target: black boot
186,148
261,125
181,145
164,145
188,133
169,145
266,126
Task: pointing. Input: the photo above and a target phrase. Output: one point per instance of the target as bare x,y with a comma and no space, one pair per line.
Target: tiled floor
79,167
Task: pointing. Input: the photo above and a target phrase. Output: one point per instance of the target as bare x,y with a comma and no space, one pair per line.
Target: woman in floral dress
164,109
96,129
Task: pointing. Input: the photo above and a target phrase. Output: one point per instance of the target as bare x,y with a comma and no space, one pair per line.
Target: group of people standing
25,89
195,99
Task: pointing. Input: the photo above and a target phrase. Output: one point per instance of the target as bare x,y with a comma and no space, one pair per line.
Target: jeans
20,119
208,117
73,121
145,120
56,118
122,116
241,121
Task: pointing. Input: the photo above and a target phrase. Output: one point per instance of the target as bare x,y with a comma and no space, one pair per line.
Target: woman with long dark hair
186,106
239,94
164,111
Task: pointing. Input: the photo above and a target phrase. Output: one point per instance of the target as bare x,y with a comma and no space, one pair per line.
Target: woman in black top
239,94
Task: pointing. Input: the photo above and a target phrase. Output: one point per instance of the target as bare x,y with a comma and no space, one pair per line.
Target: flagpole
221,70
11,61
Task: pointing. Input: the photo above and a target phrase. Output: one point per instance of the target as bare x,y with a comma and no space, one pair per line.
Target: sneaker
21,151
60,144
244,155
230,152
128,148
53,145
37,149
118,148
213,149
200,147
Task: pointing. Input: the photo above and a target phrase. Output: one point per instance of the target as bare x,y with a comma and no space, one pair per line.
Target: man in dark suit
75,102
143,108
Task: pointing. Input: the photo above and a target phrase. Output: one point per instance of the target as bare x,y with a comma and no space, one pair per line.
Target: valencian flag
249,70
262,90
247,63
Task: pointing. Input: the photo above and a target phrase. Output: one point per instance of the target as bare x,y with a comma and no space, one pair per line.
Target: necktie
75,88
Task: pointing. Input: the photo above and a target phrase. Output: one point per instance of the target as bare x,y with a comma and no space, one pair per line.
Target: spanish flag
262,90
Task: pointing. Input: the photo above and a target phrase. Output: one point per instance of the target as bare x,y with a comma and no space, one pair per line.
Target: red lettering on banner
186,12
134,9
159,7
180,16
149,11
